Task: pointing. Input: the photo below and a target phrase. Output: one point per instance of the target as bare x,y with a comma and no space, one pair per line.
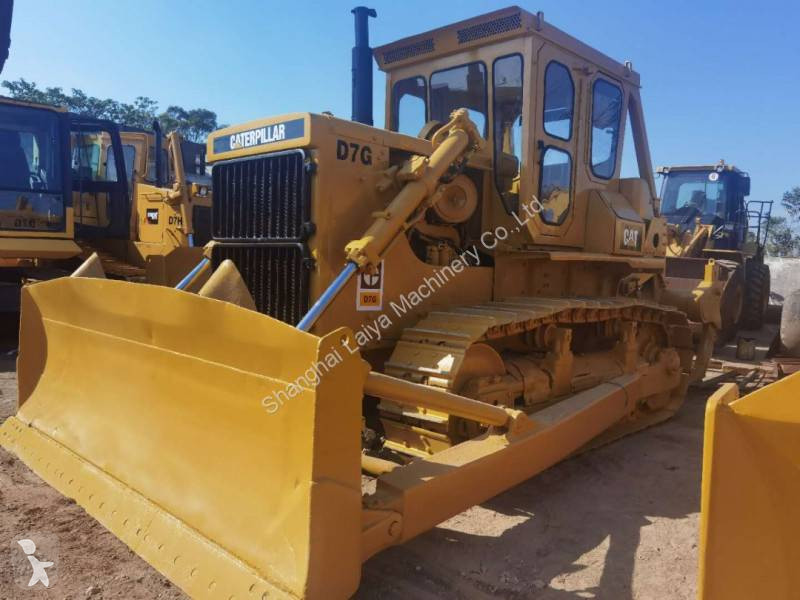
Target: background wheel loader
709,218
449,313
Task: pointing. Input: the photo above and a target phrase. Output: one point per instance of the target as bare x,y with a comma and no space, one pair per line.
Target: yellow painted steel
39,247
750,520
145,404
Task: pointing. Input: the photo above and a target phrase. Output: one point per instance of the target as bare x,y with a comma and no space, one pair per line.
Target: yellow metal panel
750,520
146,405
20,247
260,145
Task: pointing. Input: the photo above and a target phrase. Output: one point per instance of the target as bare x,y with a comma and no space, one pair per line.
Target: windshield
460,87
693,192
31,195
29,149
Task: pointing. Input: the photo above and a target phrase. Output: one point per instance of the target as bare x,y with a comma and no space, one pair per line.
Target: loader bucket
196,432
751,490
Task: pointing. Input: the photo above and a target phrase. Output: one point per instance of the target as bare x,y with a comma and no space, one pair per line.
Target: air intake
489,28
409,51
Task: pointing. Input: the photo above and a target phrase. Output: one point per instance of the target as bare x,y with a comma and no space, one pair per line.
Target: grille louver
410,51
277,276
263,198
489,28
262,217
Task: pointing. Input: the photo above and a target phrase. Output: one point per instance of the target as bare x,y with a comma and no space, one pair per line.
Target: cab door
555,149
101,201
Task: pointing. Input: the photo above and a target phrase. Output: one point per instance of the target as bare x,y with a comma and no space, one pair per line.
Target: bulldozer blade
198,433
750,493
168,269
226,283
91,267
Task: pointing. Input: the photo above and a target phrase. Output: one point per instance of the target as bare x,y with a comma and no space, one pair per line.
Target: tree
194,124
791,202
781,240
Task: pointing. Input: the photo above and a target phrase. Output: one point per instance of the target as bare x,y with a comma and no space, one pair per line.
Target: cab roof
15,102
488,28
720,167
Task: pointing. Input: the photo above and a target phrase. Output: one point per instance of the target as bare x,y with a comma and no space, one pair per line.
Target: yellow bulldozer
399,323
72,185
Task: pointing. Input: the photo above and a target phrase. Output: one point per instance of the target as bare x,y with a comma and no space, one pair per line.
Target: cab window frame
485,132
496,144
619,128
558,63
394,122
543,149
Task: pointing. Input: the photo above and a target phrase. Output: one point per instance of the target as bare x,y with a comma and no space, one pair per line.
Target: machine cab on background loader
448,305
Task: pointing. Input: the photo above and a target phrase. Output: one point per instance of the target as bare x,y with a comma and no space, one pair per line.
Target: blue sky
720,79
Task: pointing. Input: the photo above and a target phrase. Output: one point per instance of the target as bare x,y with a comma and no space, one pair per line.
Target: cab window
31,158
151,165
129,154
690,193
87,163
555,185
29,150
409,105
559,99
606,117
460,87
507,106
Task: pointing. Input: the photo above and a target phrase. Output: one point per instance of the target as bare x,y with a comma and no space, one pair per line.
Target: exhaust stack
362,67
159,135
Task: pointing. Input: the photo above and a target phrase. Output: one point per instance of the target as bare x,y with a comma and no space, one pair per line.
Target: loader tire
756,295
732,301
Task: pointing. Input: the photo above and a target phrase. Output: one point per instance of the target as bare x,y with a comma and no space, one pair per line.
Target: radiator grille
261,198
261,218
276,275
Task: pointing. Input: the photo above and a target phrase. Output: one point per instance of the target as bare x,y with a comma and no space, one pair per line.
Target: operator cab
33,180
100,196
553,113
715,194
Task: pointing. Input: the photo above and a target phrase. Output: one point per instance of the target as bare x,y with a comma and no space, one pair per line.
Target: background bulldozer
73,185
169,219
449,305
709,219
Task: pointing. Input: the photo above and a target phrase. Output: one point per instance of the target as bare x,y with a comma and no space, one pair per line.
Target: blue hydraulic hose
327,297
191,275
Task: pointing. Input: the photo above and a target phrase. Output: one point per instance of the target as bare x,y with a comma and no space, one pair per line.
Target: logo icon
369,292
39,566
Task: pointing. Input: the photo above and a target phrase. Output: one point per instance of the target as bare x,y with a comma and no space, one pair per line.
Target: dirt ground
617,523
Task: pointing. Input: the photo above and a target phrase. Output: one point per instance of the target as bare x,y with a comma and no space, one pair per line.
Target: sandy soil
617,523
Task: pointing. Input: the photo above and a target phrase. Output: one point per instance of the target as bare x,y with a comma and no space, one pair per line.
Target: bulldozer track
113,266
443,337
